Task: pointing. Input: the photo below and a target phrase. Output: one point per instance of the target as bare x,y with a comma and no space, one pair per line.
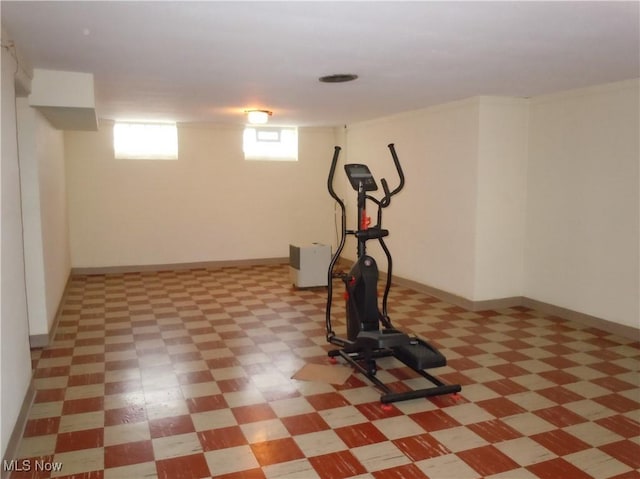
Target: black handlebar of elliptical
387,194
332,171
386,201
396,162
385,187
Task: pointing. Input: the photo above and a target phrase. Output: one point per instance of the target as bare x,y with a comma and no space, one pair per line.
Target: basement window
270,143
145,141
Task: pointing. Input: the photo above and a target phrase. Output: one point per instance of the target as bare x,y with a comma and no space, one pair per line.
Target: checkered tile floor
187,374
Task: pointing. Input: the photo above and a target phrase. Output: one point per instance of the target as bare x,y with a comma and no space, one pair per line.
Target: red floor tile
222,438
560,395
512,356
49,395
434,420
128,453
613,384
559,362
618,403
606,355
559,377
627,475
88,358
304,423
338,465
125,415
608,367
625,451
253,413
249,474
90,342
327,401
559,349
423,446
116,347
505,387
74,441
206,403
122,364
85,379
468,351
233,385
276,451
559,416
509,370
494,431
560,442
463,363
220,363
501,407
183,467
556,469
487,460
622,425
208,345
77,406
112,333
42,427
400,472
57,353
360,435
456,378
52,372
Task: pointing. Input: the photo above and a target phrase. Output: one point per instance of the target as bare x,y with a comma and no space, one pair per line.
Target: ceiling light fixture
258,117
338,78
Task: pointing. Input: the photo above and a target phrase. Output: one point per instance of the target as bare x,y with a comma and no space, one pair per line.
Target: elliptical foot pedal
381,339
419,354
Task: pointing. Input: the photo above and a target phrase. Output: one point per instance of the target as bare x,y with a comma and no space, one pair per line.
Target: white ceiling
209,61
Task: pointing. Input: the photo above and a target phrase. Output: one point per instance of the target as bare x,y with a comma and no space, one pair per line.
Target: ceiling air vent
338,78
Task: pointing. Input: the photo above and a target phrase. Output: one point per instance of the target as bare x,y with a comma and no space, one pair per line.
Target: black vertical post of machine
366,340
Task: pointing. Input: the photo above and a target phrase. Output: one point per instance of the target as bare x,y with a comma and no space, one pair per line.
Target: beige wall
582,249
210,205
512,197
501,198
432,220
44,203
458,224
15,362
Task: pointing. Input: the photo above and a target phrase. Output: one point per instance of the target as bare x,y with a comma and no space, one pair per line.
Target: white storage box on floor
309,265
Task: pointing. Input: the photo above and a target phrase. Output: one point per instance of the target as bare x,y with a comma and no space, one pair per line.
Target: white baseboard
18,430
177,266
502,303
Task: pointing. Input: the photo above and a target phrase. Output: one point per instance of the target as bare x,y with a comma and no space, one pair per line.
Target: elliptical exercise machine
366,341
